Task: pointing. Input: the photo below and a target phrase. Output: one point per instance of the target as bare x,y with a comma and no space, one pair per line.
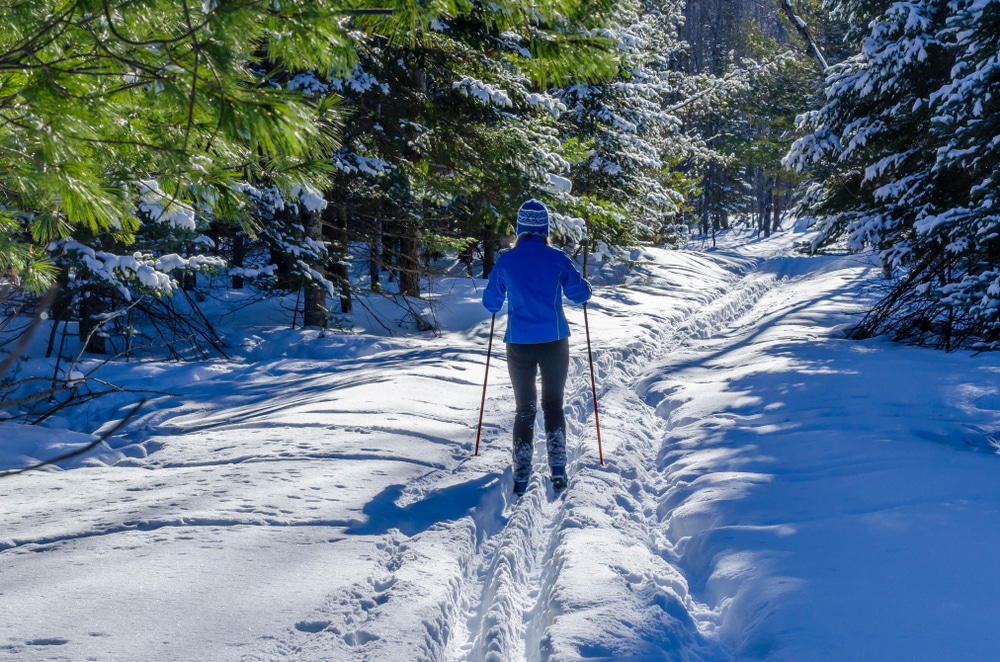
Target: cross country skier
533,276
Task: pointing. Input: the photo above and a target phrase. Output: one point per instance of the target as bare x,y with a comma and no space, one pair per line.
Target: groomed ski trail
503,583
512,593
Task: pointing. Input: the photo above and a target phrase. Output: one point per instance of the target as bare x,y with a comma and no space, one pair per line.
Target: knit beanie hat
533,217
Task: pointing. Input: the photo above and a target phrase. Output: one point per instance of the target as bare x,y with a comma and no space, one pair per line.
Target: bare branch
15,353
803,30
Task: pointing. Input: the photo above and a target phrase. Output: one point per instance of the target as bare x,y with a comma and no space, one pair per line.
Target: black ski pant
524,362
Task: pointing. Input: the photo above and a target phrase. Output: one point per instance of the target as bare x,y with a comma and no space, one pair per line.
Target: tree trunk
803,30
314,306
314,301
92,305
283,274
489,251
374,256
390,251
767,202
779,199
341,265
465,258
409,260
239,256
60,309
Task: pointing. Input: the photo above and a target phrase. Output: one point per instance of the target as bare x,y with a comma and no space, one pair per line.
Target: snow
558,183
309,84
548,103
311,197
771,489
150,272
161,208
484,92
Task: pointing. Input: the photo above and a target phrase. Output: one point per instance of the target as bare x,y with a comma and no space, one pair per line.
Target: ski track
504,594
503,599
512,595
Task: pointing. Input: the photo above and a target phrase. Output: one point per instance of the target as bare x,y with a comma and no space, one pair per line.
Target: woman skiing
533,276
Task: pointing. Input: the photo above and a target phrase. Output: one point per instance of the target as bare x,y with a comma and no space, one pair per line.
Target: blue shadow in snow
444,505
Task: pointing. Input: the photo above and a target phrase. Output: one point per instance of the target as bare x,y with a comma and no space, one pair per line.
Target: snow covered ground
771,491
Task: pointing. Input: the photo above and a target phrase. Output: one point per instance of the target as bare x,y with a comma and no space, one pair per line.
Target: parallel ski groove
506,608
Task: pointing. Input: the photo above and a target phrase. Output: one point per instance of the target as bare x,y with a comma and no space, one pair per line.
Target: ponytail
517,239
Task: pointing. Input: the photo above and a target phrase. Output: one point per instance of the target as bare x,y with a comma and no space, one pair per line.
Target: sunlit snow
772,490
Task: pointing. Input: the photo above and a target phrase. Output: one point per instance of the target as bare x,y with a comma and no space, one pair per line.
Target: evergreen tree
760,128
128,130
451,129
99,96
904,160
779,75
967,119
624,135
874,135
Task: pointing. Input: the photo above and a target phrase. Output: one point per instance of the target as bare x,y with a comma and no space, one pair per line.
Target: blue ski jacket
533,278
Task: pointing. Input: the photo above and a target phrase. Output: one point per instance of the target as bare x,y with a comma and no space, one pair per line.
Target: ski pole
482,404
593,385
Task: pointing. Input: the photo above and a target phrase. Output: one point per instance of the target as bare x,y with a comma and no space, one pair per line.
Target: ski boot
559,480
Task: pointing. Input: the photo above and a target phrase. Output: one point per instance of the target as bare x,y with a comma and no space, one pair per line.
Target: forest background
156,151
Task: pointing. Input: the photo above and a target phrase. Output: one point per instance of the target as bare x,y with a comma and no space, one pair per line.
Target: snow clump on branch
159,208
483,91
310,197
120,271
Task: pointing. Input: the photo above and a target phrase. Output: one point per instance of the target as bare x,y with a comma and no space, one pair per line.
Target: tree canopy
330,147
98,97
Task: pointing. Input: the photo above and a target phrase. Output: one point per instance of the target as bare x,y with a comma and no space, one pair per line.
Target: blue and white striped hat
533,216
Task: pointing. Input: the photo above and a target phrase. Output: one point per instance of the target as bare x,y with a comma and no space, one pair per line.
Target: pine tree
904,160
638,138
452,128
761,128
967,119
775,56
873,139
127,127
98,96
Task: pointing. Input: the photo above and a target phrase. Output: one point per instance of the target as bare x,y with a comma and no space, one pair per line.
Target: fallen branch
79,451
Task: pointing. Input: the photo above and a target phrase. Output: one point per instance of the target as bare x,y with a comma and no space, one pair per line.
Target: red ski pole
482,404
593,385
